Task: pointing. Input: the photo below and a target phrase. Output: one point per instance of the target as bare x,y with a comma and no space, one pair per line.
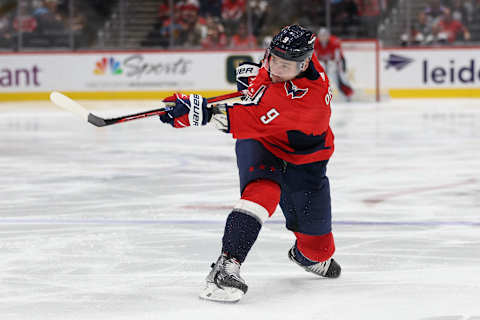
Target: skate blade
213,293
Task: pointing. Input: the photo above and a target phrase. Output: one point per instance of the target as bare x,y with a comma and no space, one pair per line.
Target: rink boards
396,72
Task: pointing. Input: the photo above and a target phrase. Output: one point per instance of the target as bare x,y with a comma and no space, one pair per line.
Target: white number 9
329,95
272,114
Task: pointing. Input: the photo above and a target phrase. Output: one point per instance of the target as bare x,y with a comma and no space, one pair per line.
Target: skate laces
321,267
232,267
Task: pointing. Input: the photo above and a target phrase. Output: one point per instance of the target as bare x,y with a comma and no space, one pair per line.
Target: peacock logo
104,64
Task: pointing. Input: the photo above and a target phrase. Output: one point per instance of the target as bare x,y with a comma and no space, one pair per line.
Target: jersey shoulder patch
294,91
254,97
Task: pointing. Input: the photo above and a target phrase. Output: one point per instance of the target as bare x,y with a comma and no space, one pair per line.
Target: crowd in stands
223,23
348,18
443,22
226,24
209,24
49,23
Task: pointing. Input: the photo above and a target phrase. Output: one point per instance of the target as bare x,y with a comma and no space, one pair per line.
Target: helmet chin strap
300,66
266,62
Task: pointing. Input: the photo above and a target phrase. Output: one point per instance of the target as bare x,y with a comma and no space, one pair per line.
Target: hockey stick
68,104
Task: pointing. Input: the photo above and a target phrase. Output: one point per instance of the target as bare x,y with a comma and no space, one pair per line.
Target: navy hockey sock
241,231
304,261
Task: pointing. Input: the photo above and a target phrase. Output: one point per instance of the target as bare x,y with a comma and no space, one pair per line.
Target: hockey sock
301,258
263,192
259,200
241,231
314,248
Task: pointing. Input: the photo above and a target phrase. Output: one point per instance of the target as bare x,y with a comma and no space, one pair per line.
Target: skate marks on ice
124,222
384,197
147,270
408,155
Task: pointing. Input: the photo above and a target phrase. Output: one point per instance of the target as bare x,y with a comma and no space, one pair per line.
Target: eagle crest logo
294,91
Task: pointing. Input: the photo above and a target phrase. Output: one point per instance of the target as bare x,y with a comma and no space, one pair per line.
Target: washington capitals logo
397,62
295,91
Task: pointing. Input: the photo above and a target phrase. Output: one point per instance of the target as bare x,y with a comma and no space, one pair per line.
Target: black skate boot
224,283
328,269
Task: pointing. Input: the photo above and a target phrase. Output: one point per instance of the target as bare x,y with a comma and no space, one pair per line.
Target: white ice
122,222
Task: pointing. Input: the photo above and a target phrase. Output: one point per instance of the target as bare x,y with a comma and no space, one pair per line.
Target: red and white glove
184,111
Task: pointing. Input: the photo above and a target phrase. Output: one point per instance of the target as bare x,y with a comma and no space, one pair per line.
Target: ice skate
328,269
223,283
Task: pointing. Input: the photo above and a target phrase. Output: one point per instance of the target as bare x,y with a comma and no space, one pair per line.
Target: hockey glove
184,111
245,72
220,117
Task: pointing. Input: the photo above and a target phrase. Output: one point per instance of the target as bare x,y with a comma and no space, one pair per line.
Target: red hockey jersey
291,118
332,50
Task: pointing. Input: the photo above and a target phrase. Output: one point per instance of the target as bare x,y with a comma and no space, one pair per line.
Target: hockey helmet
293,43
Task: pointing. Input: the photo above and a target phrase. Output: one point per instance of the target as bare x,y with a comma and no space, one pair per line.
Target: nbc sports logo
103,64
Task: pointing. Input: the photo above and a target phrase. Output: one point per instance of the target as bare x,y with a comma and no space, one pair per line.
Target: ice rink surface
122,222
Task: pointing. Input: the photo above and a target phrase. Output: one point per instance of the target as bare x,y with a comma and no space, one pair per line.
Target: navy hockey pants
305,197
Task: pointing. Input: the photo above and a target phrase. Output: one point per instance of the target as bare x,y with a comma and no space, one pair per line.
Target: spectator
166,27
24,21
165,17
470,10
216,38
193,26
460,11
233,11
346,15
259,10
435,10
171,27
39,7
52,27
447,29
164,10
78,26
4,25
421,31
370,12
243,40
51,22
6,36
78,23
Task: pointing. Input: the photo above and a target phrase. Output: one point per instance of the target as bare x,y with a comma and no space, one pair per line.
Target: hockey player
329,51
284,142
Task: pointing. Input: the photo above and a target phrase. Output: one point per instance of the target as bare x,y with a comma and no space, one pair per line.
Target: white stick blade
68,104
